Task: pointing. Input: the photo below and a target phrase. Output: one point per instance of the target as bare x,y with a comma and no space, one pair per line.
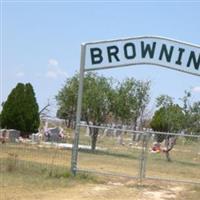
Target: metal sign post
74,156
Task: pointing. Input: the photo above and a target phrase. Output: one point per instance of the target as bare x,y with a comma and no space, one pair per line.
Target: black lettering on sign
112,53
181,50
96,55
150,49
129,51
166,52
192,58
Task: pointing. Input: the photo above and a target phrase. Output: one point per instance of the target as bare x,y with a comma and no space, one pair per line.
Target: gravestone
13,135
53,135
36,137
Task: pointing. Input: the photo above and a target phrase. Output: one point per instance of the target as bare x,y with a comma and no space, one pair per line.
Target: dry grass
37,172
21,186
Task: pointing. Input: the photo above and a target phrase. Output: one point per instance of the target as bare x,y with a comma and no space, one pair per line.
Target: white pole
74,156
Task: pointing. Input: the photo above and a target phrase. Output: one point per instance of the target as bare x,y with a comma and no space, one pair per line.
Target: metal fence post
143,159
146,146
74,155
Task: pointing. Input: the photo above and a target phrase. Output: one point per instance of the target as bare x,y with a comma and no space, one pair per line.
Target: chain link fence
119,151
174,157
115,151
48,158
26,162
135,154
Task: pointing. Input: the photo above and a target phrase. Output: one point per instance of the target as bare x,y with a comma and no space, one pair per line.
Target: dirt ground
112,189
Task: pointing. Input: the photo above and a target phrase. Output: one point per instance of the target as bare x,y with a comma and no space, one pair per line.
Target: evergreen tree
20,111
31,114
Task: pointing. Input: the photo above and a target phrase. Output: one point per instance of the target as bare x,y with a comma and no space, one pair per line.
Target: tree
20,111
67,100
31,109
192,114
164,101
96,101
131,99
169,118
193,118
43,112
103,99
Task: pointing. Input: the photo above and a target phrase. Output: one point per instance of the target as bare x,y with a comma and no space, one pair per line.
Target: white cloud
51,74
196,89
53,62
54,70
20,74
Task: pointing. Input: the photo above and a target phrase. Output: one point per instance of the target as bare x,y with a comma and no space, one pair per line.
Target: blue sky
41,41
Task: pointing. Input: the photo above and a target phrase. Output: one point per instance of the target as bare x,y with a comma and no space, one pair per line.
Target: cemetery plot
116,152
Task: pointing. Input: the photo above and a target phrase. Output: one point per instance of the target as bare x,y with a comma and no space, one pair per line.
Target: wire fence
118,152
139,154
27,163
46,158
114,154
179,160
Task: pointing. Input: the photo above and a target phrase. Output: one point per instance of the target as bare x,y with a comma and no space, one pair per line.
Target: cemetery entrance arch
164,52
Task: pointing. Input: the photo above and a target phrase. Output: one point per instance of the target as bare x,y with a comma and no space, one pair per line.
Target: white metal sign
143,50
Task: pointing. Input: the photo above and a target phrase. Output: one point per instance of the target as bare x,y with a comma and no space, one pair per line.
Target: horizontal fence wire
107,174
119,152
140,132
177,157
44,158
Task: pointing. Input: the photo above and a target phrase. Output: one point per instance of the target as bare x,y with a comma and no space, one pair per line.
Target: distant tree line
106,100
